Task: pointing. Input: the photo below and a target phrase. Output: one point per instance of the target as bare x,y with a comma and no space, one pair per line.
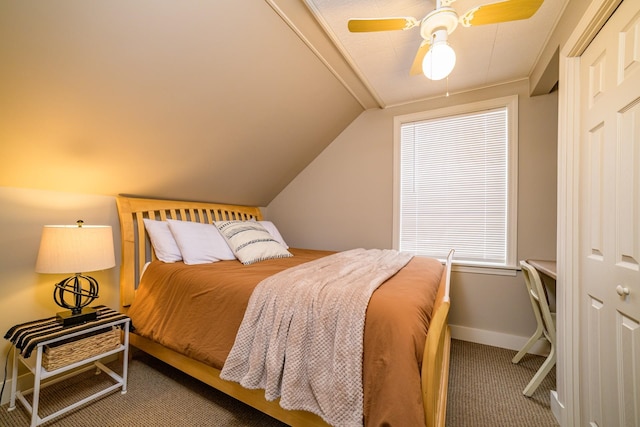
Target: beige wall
24,294
344,199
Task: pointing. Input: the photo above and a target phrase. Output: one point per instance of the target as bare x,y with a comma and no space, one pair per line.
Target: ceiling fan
435,57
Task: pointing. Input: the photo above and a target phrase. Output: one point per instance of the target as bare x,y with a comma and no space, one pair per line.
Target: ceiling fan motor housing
442,18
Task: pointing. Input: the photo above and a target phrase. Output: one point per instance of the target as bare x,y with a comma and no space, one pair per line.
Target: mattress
197,310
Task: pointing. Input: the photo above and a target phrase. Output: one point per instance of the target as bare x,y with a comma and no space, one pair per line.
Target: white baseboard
556,406
498,339
25,382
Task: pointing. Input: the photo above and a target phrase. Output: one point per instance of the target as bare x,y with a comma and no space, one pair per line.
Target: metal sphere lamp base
68,318
82,297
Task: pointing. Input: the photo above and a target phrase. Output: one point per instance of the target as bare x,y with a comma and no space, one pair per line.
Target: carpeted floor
485,389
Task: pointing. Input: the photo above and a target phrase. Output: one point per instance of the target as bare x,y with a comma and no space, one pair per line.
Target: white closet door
609,223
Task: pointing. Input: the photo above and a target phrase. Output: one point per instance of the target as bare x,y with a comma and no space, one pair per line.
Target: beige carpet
485,389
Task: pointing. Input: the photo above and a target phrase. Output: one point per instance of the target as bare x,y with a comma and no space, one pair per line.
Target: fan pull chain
447,95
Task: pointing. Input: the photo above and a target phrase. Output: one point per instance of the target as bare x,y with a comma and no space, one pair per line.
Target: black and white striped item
27,336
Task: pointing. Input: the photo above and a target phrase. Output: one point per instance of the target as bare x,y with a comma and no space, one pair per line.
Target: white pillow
164,245
200,243
271,228
250,241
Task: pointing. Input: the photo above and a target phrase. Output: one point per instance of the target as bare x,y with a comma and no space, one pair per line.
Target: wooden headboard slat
136,248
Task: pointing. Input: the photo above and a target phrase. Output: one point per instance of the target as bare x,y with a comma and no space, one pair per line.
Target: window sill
493,270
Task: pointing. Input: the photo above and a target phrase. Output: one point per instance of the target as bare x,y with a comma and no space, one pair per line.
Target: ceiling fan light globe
439,61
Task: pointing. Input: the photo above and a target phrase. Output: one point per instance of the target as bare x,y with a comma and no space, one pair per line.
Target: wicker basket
62,354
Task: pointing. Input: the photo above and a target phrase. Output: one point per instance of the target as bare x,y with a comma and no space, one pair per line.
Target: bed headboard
136,247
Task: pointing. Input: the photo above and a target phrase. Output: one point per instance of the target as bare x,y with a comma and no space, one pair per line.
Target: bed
431,351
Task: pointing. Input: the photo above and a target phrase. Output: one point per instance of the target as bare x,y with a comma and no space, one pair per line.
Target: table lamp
75,249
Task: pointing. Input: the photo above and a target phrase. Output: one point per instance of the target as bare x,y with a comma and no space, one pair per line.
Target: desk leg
14,379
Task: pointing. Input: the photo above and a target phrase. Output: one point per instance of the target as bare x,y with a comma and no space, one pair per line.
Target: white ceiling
486,55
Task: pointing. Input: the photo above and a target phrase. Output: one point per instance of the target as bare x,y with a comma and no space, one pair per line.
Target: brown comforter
197,311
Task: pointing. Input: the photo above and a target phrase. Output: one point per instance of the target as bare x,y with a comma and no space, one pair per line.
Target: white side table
43,378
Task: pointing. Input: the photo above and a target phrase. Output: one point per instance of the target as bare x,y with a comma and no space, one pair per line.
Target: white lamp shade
73,249
439,60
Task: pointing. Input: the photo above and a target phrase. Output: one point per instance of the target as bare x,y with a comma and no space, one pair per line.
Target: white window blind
454,187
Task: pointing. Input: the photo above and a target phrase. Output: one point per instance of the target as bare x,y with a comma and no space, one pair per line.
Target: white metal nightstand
43,377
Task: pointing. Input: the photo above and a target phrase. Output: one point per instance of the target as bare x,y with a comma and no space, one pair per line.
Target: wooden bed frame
136,251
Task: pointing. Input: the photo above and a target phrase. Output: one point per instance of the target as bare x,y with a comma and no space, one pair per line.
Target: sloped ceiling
213,100
188,99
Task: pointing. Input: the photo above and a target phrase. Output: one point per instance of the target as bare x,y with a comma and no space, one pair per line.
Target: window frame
511,104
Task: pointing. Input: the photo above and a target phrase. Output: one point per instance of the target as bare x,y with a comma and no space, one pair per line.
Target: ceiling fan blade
383,24
416,68
504,11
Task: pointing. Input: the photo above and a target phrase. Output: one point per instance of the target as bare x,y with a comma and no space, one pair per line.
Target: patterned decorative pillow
250,241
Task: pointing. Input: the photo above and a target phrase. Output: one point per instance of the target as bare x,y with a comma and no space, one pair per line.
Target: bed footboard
435,359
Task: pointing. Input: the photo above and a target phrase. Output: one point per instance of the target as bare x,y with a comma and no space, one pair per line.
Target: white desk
547,268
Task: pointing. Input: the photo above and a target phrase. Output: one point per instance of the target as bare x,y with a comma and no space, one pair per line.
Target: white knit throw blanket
301,338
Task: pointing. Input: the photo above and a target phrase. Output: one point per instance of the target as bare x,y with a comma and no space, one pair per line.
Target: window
455,183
